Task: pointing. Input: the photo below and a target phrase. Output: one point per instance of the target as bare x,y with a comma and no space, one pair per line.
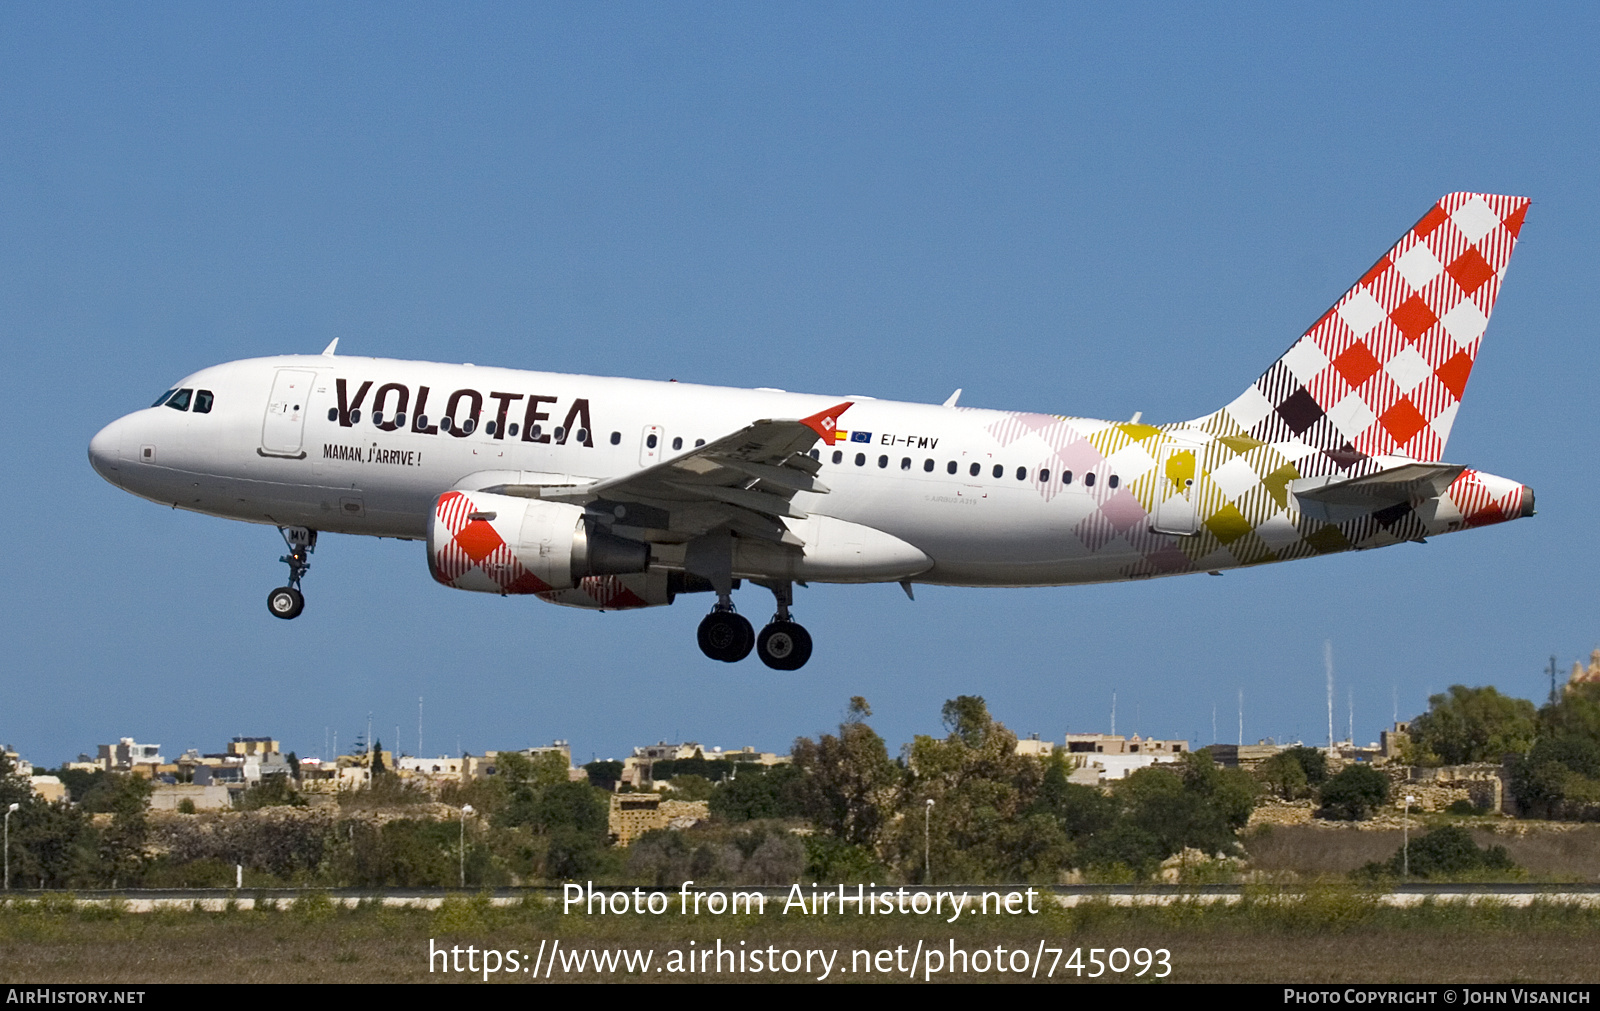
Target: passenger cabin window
649,442
883,461
445,423
677,442
180,401
861,459
816,454
927,465
838,455
1066,477
1044,474
488,427
1022,473
698,443
1114,481
905,463
163,398
333,414
468,425
203,400
1088,480
973,470
999,470
616,438
950,467
583,435
377,418
511,429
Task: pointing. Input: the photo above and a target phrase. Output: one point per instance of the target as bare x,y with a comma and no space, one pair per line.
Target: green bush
1444,852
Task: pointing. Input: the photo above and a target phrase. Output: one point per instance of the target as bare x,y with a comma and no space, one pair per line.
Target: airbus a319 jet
611,494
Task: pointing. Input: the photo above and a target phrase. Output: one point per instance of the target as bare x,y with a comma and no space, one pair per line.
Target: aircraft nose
105,451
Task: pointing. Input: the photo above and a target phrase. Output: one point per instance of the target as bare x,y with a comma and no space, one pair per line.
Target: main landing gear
783,644
287,601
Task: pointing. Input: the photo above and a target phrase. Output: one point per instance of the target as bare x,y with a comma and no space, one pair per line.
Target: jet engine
503,544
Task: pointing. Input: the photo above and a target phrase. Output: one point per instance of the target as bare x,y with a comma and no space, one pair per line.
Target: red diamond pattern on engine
475,549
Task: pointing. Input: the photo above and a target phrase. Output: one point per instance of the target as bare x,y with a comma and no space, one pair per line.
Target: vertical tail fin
1383,371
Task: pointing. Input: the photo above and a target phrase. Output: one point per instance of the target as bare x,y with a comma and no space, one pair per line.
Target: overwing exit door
650,445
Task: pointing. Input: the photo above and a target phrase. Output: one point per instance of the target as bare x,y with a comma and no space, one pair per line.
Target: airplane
613,493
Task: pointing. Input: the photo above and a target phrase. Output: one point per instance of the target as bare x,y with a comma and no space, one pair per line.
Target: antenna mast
1327,660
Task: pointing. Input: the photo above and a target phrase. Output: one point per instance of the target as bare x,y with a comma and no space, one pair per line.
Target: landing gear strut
287,601
784,644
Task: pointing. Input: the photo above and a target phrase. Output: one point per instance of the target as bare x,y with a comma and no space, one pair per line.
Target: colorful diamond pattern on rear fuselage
1374,383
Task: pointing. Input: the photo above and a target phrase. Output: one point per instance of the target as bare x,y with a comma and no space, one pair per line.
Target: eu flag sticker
860,436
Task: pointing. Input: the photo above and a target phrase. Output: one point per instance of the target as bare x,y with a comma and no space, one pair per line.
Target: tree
758,792
849,784
122,843
1231,792
1312,762
1354,793
604,775
1559,777
967,717
1160,812
985,824
1284,777
1472,725
1081,811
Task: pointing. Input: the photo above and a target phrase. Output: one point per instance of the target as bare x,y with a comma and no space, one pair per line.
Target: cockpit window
180,401
202,401
163,398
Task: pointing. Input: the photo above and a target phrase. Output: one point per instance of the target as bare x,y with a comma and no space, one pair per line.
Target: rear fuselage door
284,428
1176,476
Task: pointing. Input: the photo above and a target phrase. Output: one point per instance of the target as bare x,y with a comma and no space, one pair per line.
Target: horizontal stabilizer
1407,482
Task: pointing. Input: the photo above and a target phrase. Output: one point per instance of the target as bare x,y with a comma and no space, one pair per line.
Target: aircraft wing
1393,486
745,481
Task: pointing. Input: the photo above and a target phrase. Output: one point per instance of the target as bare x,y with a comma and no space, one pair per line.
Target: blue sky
1071,209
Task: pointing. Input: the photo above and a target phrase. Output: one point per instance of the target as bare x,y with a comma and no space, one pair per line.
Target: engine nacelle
503,544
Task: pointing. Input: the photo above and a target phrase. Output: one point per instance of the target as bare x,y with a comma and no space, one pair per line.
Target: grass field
1325,936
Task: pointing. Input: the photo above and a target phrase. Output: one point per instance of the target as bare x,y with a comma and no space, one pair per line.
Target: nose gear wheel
286,602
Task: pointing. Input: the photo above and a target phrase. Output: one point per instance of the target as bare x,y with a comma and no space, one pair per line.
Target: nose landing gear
287,601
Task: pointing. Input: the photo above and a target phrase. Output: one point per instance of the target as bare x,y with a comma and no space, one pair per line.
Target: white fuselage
973,497
351,477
